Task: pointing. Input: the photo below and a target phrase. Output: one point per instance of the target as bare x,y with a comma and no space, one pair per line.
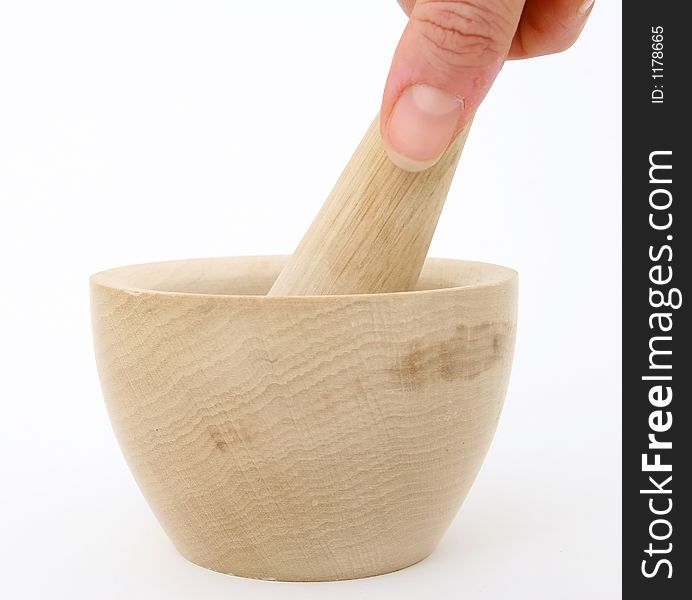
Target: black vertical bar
657,345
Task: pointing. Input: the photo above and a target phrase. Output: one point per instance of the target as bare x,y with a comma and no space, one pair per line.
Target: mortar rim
100,279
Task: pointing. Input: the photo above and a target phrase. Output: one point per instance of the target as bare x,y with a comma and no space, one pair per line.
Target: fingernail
585,6
421,126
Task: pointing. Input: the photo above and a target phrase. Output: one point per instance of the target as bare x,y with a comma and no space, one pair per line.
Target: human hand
448,57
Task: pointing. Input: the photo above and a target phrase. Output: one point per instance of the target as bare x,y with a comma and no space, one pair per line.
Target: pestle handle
373,232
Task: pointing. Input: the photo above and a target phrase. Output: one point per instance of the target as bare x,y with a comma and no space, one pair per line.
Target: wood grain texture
373,233
302,438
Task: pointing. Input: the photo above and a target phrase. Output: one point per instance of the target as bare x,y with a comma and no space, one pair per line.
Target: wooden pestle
373,232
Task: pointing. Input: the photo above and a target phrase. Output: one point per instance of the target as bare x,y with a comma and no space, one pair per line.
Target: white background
146,130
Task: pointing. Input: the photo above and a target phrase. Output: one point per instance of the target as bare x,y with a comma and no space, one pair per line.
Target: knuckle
463,34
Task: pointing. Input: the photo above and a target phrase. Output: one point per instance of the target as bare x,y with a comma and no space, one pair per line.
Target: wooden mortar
302,438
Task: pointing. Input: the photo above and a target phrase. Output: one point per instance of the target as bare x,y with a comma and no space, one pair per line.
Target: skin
459,47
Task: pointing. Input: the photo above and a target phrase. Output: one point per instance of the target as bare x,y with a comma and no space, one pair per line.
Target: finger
407,5
549,26
447,59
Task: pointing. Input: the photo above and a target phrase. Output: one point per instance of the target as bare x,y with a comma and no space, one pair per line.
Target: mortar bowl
302,438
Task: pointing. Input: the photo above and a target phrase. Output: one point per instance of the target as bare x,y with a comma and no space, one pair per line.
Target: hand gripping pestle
373,233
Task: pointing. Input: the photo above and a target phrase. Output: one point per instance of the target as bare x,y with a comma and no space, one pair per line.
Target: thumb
447,59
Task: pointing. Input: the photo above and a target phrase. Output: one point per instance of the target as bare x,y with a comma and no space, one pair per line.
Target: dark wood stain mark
470,352
227,435
217,438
